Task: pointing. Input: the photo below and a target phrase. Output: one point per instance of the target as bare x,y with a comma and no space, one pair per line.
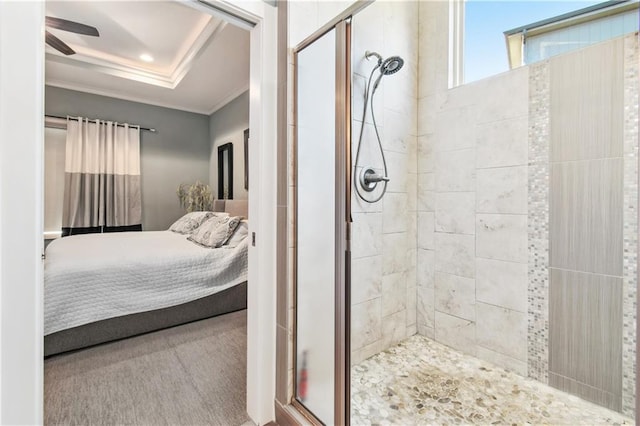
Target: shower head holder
368,54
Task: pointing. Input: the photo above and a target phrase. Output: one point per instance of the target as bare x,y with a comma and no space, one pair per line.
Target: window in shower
499,35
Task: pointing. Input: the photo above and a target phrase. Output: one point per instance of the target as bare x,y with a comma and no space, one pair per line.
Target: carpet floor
193,374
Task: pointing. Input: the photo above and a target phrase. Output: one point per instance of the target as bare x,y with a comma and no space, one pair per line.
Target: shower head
391,65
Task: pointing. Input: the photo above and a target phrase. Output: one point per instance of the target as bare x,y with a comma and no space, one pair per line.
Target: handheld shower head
391,65
369,179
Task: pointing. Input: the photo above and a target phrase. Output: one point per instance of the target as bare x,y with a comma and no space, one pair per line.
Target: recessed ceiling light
146,57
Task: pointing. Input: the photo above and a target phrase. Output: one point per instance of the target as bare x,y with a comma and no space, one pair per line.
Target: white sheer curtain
102,177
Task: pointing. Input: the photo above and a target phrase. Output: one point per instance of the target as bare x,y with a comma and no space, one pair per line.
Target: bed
104,287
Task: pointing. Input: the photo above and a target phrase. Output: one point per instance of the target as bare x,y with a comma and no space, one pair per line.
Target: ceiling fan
64,25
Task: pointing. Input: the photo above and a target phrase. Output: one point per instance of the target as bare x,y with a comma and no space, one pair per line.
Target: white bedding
93,277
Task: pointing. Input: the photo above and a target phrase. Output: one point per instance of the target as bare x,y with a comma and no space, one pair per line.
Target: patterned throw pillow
239,234
190,221
215,231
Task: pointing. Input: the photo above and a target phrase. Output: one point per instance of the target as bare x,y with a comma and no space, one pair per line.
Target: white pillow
215,231
190,221
240,234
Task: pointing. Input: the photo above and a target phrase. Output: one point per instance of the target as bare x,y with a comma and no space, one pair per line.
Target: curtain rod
118,124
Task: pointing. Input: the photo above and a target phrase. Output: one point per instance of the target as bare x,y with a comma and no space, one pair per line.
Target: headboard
233,207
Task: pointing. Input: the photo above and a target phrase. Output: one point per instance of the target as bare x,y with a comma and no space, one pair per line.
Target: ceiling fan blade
73,27
57,44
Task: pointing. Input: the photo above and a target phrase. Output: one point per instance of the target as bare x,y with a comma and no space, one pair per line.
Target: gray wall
586,223
177,153
228,125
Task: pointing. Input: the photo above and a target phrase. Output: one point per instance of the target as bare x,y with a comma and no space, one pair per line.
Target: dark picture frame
225,171
246,159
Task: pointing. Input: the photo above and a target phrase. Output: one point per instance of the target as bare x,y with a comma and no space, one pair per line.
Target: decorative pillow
190,221
215,231
240,234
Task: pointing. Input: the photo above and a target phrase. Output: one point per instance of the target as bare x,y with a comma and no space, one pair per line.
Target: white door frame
21,208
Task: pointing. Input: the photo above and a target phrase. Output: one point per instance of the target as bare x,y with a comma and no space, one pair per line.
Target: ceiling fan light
146,57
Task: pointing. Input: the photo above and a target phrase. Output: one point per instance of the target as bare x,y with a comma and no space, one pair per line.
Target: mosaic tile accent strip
630,231
538,223
421,382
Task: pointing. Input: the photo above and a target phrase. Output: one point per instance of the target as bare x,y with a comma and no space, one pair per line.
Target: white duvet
93,277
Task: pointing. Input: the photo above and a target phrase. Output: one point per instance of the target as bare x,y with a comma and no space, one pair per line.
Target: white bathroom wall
383,280
472,205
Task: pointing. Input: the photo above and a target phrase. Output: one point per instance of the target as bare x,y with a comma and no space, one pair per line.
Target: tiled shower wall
383,279
592,211
481,183
586,222
472,205
491,156
383,234
472,219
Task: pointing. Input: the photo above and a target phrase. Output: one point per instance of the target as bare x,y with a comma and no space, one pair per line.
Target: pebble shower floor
421,382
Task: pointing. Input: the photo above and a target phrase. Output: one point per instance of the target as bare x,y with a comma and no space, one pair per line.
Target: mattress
94,277
226,301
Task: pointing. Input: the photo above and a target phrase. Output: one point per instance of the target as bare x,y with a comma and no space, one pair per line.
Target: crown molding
112,65
113,69
142,100
139,99
204,39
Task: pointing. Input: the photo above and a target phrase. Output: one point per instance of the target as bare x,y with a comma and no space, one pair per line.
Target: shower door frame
342,222
342,351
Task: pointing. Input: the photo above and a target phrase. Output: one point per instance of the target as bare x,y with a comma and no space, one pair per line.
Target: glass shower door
321,225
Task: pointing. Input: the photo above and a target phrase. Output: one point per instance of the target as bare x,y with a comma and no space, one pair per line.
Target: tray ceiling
199,62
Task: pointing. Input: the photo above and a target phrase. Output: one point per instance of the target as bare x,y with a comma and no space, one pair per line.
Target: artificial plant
195,197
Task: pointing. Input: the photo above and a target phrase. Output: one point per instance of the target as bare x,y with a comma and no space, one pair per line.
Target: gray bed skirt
229,300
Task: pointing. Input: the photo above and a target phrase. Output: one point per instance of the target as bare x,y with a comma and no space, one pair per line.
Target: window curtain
102,178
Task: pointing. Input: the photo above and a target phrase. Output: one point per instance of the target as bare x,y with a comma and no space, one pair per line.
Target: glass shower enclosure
322,255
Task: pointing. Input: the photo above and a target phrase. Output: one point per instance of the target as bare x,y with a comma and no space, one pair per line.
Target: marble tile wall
384,255
484,289
472,206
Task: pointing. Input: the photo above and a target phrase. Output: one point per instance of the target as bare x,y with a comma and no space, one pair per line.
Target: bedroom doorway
194,313
260,18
